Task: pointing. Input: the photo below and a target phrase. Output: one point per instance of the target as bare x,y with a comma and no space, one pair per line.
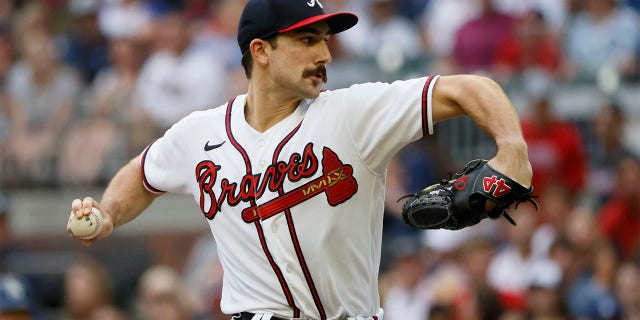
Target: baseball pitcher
291,177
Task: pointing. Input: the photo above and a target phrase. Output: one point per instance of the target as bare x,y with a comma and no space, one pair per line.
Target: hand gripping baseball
461,201
88,222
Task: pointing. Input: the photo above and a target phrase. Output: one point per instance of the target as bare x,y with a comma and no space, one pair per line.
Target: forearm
489,107
483,101
125,197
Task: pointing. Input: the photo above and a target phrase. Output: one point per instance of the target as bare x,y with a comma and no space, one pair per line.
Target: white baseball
87,227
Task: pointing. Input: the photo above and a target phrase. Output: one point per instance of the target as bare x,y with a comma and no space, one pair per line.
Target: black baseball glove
459,201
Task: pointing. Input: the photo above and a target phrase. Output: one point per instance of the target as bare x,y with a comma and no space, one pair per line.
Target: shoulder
361,89
214,114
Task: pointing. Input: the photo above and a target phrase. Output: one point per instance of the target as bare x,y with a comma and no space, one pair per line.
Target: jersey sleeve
384,117
163,162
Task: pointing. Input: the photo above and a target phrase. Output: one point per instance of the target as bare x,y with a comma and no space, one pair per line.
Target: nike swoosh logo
208,147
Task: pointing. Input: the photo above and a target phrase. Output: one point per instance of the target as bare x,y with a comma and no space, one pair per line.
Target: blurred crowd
87,84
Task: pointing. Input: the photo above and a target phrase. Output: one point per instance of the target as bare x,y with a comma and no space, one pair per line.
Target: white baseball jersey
296,211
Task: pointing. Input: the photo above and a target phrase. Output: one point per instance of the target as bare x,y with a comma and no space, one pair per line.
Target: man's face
297,64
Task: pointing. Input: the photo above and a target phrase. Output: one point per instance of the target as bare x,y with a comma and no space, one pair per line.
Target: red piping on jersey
146,183
294,236
265,248
425,95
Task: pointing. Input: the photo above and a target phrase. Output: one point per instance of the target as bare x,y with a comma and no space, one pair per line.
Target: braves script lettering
251,186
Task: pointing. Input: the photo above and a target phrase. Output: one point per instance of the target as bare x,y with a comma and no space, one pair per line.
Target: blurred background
87,84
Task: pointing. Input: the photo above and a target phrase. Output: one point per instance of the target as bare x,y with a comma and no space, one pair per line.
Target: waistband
253,316
269,316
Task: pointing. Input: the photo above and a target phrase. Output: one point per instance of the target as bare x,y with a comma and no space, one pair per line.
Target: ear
259,50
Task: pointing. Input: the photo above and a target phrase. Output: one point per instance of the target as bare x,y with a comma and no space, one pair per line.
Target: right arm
124,199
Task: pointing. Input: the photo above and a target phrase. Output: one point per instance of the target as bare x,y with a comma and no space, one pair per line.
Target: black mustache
319,70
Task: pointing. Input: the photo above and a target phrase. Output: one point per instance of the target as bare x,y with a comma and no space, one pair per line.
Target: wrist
514,147
512,159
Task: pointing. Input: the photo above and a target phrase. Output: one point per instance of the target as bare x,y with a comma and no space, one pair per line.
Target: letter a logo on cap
312,3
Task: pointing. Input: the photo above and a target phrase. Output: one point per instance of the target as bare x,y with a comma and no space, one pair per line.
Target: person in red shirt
476,41
556,148
619,218
530,46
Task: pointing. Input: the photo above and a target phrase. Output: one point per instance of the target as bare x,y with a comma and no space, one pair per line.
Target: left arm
488,106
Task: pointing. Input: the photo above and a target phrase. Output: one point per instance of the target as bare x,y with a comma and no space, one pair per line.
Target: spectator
411,9
218,39
406,297
573,8
85,48
177,78
558,205
110,126
563,253
6,56
161,296
108,313
7,243
124,19
440,22
517,254
42,93
477,40
608,150
544,301
619,219
633,4
555,146
15,303
34,16
531,46
406,173
6,61
440,312
584,235
627,289
603,36
554,11
382,29
7,10
203,275
87,289
591,295
479,300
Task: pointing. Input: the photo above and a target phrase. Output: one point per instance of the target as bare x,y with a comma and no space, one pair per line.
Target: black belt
249,316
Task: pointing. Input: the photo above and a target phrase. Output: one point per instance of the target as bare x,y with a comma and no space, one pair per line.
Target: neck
265,106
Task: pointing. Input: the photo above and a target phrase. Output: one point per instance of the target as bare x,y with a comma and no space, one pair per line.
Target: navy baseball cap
262,19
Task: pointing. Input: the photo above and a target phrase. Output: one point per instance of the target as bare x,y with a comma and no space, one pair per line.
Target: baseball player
290,177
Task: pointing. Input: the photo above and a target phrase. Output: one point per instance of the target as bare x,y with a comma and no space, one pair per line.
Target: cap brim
338,22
